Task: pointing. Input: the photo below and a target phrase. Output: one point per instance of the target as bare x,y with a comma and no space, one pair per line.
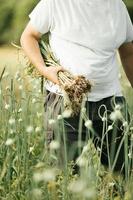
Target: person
85,36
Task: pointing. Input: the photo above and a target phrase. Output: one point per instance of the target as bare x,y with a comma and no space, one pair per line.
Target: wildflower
117,107
39,114
104,119
110,127
20,110
29,129
83,110
115,115
11,131
131,128
77,186
59,117
7,106
11,121
31,149
46,175
33,100
67,113
54,145
130,155
20,120
98,149
9,142
51,121
20,87
37,129
88,124
125,124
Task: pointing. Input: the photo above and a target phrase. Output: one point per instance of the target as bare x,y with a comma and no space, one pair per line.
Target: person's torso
84,37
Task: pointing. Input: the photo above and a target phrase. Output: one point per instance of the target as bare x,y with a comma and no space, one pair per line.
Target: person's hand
51,73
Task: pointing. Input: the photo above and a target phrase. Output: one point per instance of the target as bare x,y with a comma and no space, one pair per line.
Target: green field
27,170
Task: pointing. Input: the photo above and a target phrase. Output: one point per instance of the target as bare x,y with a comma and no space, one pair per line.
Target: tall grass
29,171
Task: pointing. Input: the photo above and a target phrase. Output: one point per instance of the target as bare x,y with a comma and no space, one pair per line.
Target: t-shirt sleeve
40,17
129,26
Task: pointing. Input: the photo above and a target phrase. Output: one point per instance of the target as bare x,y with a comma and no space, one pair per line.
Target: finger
60,68
56,81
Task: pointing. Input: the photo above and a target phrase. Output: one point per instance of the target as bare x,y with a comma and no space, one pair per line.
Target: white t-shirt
84,36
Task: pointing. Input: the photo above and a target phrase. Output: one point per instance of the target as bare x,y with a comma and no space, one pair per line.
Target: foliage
28,170
13,18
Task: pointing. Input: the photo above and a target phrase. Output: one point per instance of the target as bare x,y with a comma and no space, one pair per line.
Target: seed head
11,121
88,124
9,142
29,129
54,145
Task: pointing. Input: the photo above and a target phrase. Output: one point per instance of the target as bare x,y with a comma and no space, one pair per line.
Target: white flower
11,121
46,175
117,107
67,113
7,106
20,110
77,186
125,124
88,124
130,154
31,149
20,87
110,127
98,149
38,129
11,131
54,145
116,115
51,121
83,110
20,120
104,119
9,142
39,114
29,129
33,100
131,128
59,117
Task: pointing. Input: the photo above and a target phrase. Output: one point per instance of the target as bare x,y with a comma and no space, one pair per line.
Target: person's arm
126,55
29,42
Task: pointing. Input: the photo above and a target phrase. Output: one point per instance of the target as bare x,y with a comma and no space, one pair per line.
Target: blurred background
14,15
